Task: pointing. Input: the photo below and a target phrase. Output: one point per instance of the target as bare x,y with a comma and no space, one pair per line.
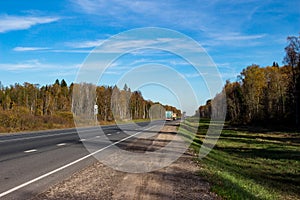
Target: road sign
95,109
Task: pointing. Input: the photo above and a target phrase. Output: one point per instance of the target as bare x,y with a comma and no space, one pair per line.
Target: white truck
169,115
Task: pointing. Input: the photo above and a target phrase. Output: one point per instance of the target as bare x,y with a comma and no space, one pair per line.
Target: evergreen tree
63,83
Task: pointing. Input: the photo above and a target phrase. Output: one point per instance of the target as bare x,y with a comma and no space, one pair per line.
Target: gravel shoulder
176,181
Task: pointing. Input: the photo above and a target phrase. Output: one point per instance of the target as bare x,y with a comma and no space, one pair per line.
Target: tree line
263,94
113,103
31,106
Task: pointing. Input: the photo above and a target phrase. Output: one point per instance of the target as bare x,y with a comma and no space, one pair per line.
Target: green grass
250,165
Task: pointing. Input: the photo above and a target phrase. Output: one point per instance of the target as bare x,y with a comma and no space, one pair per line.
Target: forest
263,95
33,107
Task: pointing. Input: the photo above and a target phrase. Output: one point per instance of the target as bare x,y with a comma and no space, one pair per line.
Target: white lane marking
118,132
109,134
30,151
67,165
61,144
86,139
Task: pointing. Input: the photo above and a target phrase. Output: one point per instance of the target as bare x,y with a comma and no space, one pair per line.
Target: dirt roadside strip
177,181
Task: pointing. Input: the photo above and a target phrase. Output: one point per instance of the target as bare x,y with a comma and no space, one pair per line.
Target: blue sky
41,41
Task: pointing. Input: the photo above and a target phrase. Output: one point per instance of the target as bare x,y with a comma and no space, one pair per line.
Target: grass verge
249,165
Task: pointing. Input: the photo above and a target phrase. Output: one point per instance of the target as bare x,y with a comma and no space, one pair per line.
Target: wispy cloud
143,12
234,39
202,16
83,51
84,44
125,44
218,23
192,75
29,64
236,36
30,48
134,44
12,23
35,65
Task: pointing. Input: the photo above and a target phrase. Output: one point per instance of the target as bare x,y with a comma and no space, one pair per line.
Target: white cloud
12,23
192,75
218,23
30,48
29,64
234,39
143,12
236,36
205,15
135,45
35,65
70,51
84,44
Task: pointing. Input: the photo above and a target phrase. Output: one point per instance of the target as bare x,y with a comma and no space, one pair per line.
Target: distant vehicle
169,115
174,116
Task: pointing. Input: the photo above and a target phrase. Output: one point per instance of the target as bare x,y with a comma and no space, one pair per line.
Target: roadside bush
20,119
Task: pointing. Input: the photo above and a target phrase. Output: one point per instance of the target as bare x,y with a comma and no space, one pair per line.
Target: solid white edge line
67,165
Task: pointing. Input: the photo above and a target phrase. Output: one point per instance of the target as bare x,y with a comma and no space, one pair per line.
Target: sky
41,41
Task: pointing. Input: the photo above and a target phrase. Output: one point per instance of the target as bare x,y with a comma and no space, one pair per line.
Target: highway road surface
31,162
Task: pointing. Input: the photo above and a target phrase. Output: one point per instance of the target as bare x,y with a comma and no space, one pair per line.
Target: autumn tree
253,85
261,95
292,58
234,98
52,104
275,93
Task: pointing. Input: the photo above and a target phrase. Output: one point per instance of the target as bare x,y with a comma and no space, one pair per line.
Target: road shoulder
177,181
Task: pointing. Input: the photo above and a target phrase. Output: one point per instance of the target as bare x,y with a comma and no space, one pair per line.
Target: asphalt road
31,162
